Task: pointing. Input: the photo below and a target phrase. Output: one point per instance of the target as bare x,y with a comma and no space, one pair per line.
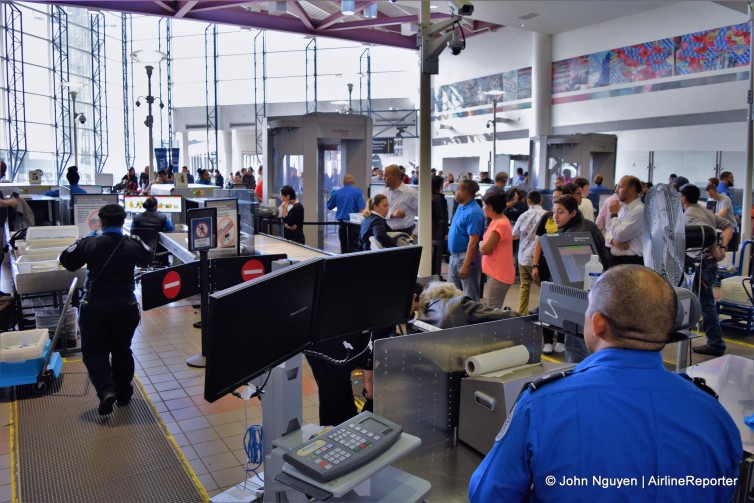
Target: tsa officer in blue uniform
619,427
109,312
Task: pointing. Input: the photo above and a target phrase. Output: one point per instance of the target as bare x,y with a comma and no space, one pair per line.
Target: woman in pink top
497,249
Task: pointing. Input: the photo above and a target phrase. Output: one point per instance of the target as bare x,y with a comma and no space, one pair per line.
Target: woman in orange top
497,249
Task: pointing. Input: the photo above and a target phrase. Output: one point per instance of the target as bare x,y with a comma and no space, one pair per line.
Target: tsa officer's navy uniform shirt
619,416
114,280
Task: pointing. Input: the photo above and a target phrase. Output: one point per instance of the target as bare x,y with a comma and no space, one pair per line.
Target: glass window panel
38,109
694,165
36,51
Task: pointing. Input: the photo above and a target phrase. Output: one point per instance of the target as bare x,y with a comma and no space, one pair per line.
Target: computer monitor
165,204
257,325
566,256
365,291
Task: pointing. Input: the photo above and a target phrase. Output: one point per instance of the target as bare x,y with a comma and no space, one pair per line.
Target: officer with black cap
109,311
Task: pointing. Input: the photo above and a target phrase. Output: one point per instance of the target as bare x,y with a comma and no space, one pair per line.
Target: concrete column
185,156
541,84
226,162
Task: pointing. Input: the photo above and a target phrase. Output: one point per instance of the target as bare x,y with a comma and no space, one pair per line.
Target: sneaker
106,404
706,350
547,349
559,347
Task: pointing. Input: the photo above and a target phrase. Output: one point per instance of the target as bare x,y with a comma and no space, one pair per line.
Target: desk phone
344,448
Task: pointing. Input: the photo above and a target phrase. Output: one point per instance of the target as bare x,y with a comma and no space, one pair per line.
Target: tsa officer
109,311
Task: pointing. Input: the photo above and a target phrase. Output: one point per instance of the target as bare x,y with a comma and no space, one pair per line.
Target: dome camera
138,103
463,7
82,118
456,45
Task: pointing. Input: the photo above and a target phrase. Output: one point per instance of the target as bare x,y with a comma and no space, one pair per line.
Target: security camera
456,45
462,7
138,103
82,118
162,105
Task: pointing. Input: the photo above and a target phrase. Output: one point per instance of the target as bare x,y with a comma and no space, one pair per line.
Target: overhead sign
383,145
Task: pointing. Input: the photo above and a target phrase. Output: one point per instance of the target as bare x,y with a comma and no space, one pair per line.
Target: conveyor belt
68,453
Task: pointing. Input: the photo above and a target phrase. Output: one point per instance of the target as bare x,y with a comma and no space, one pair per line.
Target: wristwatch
723,247
613,215
535,266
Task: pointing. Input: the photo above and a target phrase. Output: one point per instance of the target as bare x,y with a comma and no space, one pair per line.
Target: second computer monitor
567,255
365,291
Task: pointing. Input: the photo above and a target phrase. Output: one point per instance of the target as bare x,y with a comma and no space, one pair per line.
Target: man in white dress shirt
404,201
626,219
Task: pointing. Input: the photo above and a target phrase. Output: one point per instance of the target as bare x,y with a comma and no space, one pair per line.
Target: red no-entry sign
252,269
171,285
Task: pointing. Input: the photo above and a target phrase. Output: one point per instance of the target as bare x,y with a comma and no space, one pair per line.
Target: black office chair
151,238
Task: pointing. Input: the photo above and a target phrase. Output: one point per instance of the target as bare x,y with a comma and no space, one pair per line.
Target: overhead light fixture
93,12
371,11
348,7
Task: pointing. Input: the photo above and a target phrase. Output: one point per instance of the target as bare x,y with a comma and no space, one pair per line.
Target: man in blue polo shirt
348,199
466,229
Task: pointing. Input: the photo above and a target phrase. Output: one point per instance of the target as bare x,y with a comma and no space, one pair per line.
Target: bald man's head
638,305
348,179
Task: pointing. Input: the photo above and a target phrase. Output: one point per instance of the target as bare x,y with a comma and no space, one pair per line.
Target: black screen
259,324
362,291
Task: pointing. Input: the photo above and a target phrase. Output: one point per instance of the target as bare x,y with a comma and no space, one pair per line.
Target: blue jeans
709,309
470,285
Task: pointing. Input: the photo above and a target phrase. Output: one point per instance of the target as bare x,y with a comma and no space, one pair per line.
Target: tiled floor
210,435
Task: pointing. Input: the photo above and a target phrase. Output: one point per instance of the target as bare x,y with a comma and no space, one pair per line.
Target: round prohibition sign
251,269
171,285
201,230
93,220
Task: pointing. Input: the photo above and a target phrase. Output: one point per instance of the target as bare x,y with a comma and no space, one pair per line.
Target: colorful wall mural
693,53
471,93
715,49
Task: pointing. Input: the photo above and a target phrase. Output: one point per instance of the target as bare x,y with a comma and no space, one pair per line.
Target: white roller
497,360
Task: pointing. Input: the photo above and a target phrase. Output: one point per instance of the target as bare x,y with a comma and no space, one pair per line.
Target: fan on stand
663,235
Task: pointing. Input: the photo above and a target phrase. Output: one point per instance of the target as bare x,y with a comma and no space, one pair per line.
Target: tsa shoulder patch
507,424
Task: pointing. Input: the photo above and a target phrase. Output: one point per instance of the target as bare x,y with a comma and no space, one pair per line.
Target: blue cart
38,371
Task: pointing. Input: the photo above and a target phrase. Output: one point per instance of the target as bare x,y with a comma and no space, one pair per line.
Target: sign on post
202,235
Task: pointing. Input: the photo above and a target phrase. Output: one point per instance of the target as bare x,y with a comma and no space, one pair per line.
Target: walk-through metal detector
570,156
311,153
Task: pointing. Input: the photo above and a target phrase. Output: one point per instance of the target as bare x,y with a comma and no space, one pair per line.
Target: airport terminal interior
239,141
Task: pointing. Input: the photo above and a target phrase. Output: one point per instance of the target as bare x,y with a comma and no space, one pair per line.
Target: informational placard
202,223
227,222
165,204
86,210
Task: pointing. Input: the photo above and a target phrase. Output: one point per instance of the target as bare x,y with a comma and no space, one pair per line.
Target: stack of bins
48,318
